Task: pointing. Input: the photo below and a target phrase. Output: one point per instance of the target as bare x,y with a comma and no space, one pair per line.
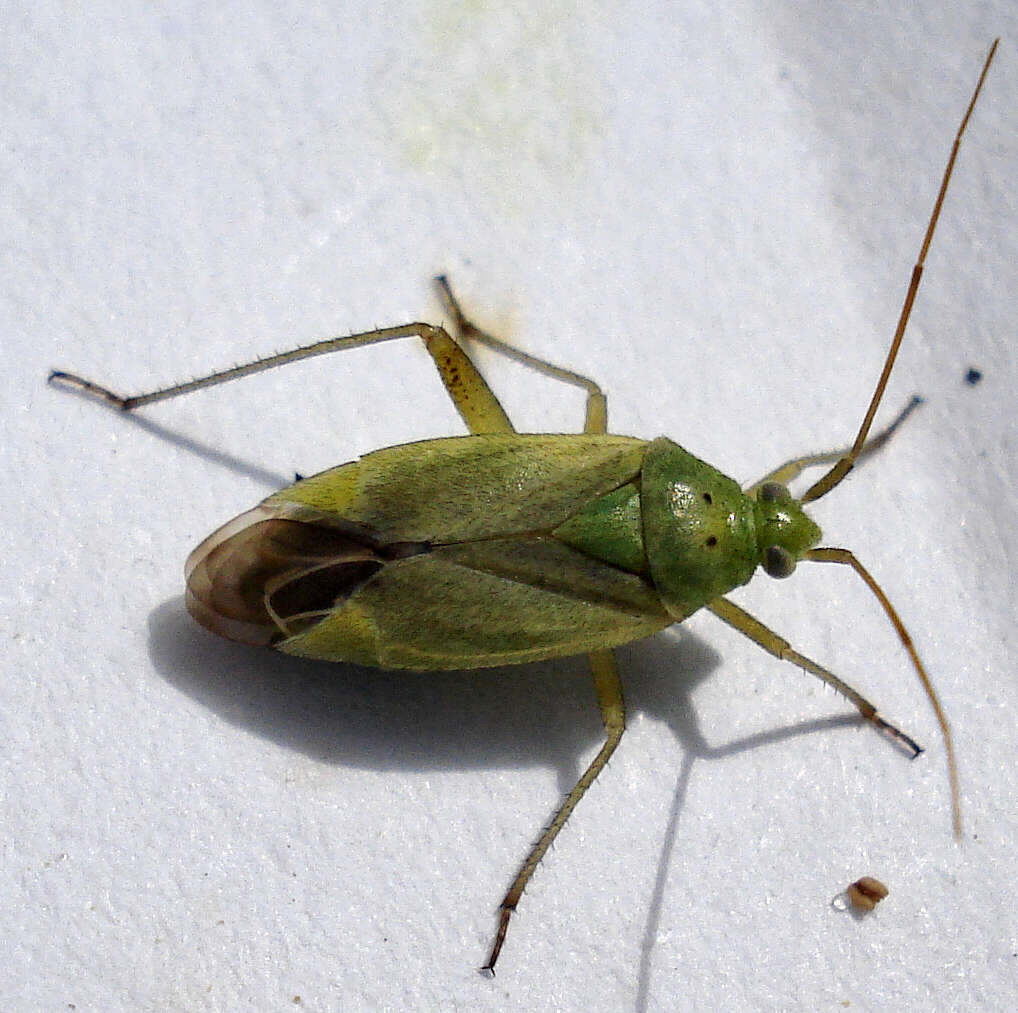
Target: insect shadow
681,717
518,717
526,716
238,466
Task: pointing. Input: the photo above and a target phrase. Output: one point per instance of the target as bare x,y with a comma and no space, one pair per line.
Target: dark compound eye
778,562
772,492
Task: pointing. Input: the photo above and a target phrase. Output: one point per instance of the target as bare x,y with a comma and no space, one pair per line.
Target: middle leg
596,420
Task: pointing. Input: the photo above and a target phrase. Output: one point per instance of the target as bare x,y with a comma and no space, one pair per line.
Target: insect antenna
833,477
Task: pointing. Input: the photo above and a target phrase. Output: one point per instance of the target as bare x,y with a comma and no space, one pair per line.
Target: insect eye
778,562
772,492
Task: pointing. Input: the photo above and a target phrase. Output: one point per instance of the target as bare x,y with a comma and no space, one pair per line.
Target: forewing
467,488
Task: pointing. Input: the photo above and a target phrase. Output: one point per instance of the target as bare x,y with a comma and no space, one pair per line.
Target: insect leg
770,641
792,469
597,406
471,395
613,713
602,663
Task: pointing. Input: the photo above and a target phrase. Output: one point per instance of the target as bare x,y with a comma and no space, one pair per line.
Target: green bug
500,548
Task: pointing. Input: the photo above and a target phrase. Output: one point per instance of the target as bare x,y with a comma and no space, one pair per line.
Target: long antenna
825,484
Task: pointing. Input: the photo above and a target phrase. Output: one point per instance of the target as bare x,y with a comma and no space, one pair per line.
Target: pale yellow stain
499,100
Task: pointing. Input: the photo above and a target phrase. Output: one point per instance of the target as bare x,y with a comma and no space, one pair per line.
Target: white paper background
713,209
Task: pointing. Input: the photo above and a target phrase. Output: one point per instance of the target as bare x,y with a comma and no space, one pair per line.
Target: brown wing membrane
261,578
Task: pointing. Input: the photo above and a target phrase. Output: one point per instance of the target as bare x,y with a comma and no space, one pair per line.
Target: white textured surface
714,210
